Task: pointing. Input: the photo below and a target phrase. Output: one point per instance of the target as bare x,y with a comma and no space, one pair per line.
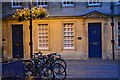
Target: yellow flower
13,15
24,14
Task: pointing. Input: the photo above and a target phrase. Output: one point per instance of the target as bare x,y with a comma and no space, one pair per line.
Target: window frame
69,48
41,4
66,2
94,4
16,6
118,2
118,39
47,48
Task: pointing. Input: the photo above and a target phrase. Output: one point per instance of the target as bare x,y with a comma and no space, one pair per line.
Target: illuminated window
16,3
69,35
118,34
42,3
43,36
94,2
67,2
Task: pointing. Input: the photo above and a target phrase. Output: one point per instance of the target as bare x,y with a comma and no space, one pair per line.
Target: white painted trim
16,6
68,35
67,4
69,47
93,4
42,5
117,35
43,48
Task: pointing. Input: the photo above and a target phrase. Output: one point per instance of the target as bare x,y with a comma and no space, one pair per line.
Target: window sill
69,49
94,5
44,49
117,4
16,7
44,6
69,6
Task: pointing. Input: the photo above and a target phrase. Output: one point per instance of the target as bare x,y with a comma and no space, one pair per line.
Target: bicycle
50,63
54,58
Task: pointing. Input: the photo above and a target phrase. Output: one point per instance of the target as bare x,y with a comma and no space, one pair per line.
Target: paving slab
93,69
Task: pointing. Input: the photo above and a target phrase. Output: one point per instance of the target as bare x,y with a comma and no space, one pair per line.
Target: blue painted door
94,40
17,41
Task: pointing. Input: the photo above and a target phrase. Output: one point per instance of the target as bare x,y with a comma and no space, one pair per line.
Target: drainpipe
30,27
112,25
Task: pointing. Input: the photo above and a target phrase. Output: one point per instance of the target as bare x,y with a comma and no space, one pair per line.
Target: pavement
94,69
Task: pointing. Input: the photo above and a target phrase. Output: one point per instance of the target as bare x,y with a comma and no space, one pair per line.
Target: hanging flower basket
24,14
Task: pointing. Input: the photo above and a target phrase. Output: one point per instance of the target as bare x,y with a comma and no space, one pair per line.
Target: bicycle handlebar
37,54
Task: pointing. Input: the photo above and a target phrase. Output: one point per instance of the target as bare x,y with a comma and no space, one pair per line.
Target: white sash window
119,34
43,36
69,35
67,2
16,3
94,2
42,3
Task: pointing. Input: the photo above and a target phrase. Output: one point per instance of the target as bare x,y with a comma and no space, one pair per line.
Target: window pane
72,2
16,3
118,40
64,2
67,2
13,3
38,3
42,3
20,3
118,28
45,3
118,34
93,2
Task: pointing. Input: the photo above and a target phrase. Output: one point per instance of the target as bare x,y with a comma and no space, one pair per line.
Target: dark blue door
94,40
17,41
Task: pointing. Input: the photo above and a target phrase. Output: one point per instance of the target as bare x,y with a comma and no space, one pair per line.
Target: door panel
17,41
94,40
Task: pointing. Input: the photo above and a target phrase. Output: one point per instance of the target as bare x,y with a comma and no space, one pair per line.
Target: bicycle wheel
29,67
61,61
38,67
59,72
47,71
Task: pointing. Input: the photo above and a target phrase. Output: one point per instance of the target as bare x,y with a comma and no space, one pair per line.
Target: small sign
79,38
3,39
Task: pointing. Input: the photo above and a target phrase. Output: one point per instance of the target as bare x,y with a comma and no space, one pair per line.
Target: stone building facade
76,30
